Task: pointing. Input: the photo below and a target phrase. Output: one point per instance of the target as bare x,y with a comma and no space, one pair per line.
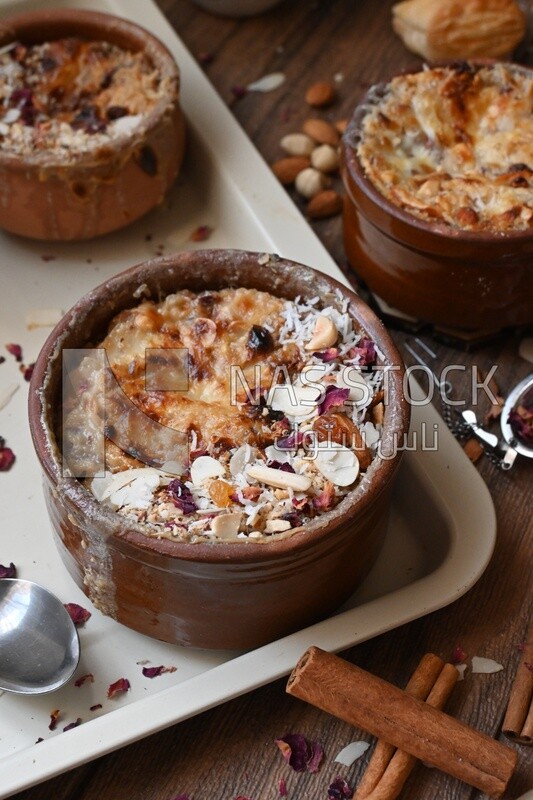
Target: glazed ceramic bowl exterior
105,190
211,595
436,273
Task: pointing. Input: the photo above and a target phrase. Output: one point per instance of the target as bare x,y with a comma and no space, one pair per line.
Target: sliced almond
321,131
277,525
338,464
242,456
320,94
226,526
205,467
351,378
287,169
278,478
294,401
324,204
325,334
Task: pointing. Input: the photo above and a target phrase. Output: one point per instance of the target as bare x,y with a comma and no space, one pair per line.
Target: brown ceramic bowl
106,189
454,278
212,595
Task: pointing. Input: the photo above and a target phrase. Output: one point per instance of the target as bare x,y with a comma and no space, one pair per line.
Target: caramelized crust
455,145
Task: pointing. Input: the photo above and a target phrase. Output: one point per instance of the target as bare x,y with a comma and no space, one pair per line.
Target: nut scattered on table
287,169
324,204
320,94
297,144
321,131
325,158
309,182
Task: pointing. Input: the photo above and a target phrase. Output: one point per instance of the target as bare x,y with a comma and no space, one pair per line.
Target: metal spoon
39,645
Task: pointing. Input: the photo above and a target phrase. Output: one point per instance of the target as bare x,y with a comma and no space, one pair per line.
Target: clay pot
45,197
455,278
212,595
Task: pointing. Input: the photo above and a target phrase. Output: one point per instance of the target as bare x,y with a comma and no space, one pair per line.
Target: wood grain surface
229,752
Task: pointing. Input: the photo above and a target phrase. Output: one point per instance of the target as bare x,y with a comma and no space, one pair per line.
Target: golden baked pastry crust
445,29
455,145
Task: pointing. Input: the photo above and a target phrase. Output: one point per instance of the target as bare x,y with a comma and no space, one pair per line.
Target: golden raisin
220,493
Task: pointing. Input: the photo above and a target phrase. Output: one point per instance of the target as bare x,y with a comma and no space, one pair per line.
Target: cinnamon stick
419,685
401,764
363,700
518,722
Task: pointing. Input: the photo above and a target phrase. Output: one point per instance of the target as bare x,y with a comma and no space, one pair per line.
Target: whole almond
341,125
324,204
321,131
320,94
286,169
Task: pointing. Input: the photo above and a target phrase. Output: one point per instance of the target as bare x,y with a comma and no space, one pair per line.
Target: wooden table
229,751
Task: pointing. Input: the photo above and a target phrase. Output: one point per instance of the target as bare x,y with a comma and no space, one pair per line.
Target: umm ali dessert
64,98
454,145
282,412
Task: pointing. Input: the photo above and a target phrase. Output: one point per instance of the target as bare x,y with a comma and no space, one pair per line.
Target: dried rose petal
293,518
301,504
181,496
283,466
365,351
201,233
15,350
528,666
458,655
155,672
122,685
315,757
238,91
27,371
54,716
326,498
7,457
46,257
8,572
283,788
521,421
96,707
205,58
300,754
327,355
339,790
333,397
83,678
290,442
72,725
78,614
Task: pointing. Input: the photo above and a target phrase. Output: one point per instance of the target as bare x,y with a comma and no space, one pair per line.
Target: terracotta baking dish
100,191
454,278
212,595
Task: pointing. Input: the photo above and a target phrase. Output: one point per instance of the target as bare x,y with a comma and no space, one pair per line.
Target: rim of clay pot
227,269
35,27
356,172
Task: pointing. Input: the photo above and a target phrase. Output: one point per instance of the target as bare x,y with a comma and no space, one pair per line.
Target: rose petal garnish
351,753
528,666
283,465
118,687
293,518
83,678
8,572
238,91
15,350
154,672
521,422
365,352
458,654
78,614
333,397
201,233
339,790
27,371
290,442
54,716
7,456
300,754
485,666
72,725
326,498
96,707
283,788
316,755
327,355
181,496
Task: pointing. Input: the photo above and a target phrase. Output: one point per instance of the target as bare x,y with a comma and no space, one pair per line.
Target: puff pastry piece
442,29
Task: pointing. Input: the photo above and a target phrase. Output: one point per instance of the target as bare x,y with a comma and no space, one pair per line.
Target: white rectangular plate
437,546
